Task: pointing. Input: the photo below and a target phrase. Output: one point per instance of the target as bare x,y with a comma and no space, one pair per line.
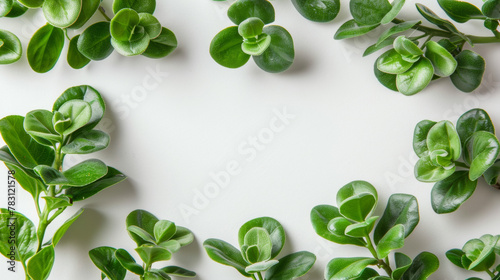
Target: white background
196,119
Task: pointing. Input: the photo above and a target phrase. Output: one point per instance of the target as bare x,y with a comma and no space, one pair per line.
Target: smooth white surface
200,117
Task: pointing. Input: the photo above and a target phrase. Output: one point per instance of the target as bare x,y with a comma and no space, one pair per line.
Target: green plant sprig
415,61
352,223
133,30
157,240
455,158
36,146
261,240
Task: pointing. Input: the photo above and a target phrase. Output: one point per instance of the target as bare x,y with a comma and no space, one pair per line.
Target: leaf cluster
456,157
35,151
352,222
157,240
133,30
261,240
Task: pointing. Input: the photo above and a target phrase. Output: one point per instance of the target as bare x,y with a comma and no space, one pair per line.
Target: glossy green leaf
472,121
481,151
95,41
407,48
104,258
11,49
79,175
258,47
57,202
420,137
261,266
391,62
469,73
260,238
151,25
25,149
357,200
402,263
152,254
5,7
322,215
491,9
142,219
422,267
444,63
447,195
280,54
397,5
25,238
75,58
433,18
31,3
32,185
171,245
272,226
224,253
443,136
61,13
164,230
387,80
318,10
291,266
78,111
183,235
45,47
352,29
140,6
479,250
40,265
243,9
347,268
369,12
178,271
38,124
123,24
455,256
398,28
156,274
162,45
426,171
416,78
17,10
401,209
226,50
89,7
128,262
376,47
131,48
361,229
392,240
87,142
65,226
113,177
491,175
251,27
460,11
142,234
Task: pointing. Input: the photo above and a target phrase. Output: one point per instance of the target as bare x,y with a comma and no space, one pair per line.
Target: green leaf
251,27
143,234
61,13
95,41
422,267
361,229
78,111
128,262
57,202
403,262
171,245
407,48
321,217
45,47
318,10
420,137
25,240
260,266
472,121
131,48
387,80
17,10
226,50
151,25
31,3
178,271
272,226
123,24
280,54
183,235
243,9
258,47
347,268
376,47
391,62
65,226
40,265
25,149
164,230
79,175
224,253
481,151
479,251
460,11
260,238
32,185
75,58
469,73
491,9
398,28
142,219
397,5
447,195
491,175
401,209
433,18
38,124
11,49
416,78
393,239
352,29
369,12
162,45
89,7
357,200
113,177
444,63
427,171
87,142
370,274
5,7
291,266
455,256
140,6
104,258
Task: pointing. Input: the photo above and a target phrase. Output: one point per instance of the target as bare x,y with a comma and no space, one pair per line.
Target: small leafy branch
270,46
157,240
416,60
261,240
352,223
36,147
133,30
455,158
478,254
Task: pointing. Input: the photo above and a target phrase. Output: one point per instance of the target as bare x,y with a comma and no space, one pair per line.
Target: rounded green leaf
469,73
444,63
444,137
258,47
480,252
402,263
251,27
87,142
38,124
280,54
387,80
104,258
472,121
75,58
491,9
123,24
243,9
78,111
433,18
131,48
162,45
32,3
79,175
144,220
357,200
369,12
45,47
352,29
226,254
128,262
95,41
183,235
61,13
481,151
347,268
151,254
455,256
420,137
447,195
5,7
113,177
397,5
261,266
401,209
17,10
321,219
40,265
426,171
25,242
272,226
393,239
361,229
491,24
226,50
422,267
318,10
151,25
406,47
89,7
291,266
164,230
416,78
460,11
260,238
391,62
140,6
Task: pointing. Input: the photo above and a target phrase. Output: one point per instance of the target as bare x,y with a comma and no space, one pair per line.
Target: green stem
381,263
483,40
491,274
260,276
103,13
253,277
